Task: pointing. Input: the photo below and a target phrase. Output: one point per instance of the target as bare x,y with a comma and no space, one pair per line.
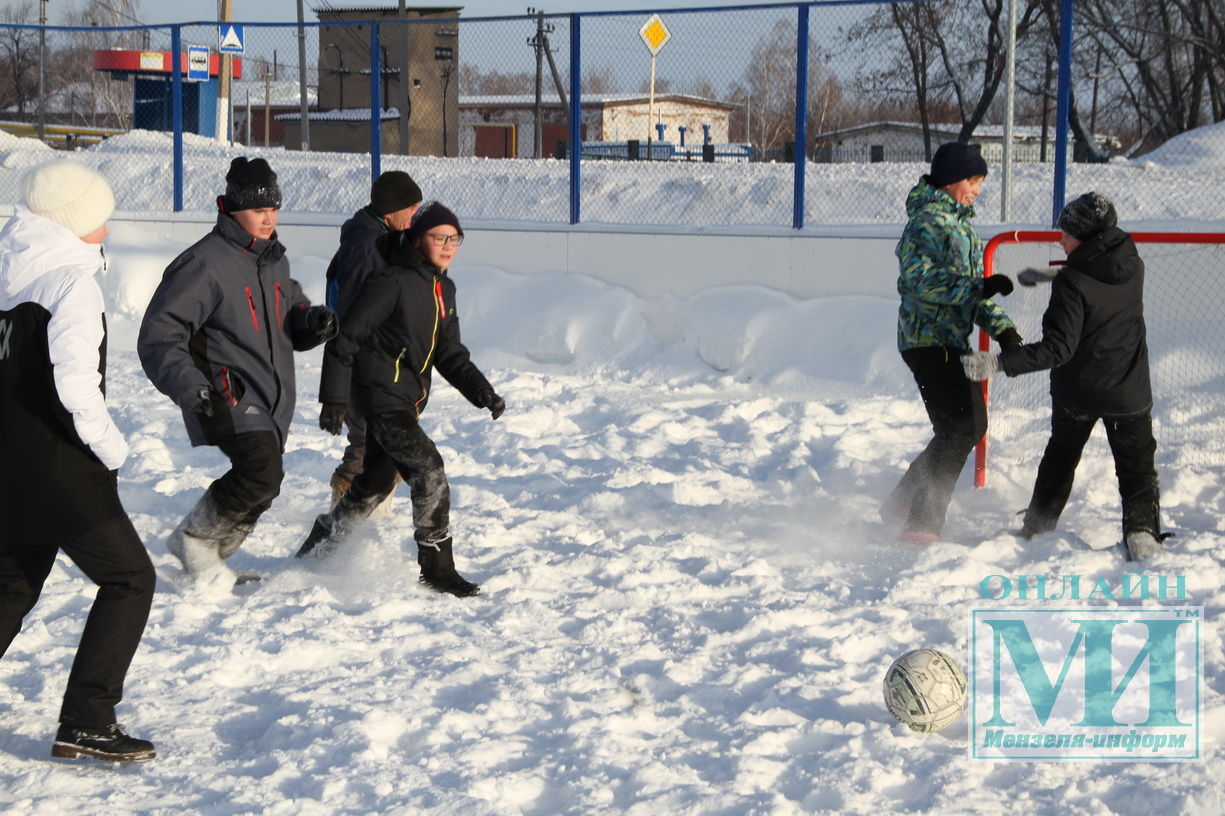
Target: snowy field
689,601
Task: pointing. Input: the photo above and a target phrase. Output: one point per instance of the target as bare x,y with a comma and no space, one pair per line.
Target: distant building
431,114
903,142
504,126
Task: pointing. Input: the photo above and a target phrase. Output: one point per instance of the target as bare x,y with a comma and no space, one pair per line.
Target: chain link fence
685,119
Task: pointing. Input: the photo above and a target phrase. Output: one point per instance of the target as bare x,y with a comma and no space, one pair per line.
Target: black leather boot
438,570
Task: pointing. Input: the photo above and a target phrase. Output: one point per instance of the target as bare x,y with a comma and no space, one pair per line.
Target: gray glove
980,365
1035,275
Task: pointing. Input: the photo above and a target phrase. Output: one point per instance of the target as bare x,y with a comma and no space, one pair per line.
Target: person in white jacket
61,450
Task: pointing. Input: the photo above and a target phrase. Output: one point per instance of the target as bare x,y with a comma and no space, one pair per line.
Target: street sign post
230,39
656,35
197,63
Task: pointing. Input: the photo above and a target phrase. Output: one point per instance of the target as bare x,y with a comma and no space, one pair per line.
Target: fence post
376,113
801,114
576,119
1063,96
176,113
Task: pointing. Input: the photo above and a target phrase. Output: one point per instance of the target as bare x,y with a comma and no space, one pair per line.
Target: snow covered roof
528,100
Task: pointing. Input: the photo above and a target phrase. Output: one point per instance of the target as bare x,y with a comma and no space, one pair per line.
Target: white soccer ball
925,689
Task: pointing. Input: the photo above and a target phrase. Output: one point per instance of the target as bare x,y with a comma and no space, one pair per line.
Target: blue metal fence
576,32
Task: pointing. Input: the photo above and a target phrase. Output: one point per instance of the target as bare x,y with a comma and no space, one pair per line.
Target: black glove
1009,338
489,399
332,417
996,285
202,402
322,321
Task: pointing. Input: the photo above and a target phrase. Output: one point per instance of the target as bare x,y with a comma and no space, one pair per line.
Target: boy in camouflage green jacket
943,296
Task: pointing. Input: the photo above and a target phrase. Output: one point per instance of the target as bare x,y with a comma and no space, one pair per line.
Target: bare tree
18,57
768,89
472,80
599,80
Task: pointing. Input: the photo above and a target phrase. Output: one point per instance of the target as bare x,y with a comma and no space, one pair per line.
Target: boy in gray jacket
218,338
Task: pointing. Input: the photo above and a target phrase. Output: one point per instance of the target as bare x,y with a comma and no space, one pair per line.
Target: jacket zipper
399,357
439,307
280,321
225,386
251,303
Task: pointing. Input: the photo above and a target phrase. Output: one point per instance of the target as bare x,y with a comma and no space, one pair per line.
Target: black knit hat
251,185
1088,215
393,191
430,216
955,161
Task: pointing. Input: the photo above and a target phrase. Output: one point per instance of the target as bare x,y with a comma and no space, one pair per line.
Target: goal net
1184,312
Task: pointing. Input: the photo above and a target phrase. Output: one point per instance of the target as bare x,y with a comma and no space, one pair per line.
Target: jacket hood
1109,256
364,221
31,245
924,197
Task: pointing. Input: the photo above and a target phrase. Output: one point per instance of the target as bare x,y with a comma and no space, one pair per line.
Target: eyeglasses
443,240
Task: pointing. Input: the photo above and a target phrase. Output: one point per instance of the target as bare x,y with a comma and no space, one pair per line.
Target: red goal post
1186,328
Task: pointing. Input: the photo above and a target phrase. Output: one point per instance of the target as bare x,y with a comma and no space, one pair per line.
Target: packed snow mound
1204,146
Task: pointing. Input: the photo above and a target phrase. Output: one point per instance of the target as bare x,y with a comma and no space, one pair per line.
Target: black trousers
355,451
255,474
1131,443
958,415
395,443
113,557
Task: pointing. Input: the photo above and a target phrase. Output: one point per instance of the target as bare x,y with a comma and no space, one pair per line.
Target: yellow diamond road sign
655,34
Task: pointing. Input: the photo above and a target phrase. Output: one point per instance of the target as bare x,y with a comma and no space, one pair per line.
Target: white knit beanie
69,194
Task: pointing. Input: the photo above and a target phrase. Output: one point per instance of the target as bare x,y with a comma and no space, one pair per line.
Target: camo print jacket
941,277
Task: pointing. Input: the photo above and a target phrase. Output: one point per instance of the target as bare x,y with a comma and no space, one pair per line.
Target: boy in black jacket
1094,343
394,200
401,327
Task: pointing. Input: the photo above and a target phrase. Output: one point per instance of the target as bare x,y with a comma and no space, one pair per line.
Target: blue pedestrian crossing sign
231,39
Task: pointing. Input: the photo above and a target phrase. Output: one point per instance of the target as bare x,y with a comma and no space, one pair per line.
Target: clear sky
286,11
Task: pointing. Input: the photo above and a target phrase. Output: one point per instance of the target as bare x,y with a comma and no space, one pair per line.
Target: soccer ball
925,689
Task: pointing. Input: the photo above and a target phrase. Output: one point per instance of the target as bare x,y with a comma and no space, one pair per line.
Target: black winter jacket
402,325
356,260
227,316
1093,332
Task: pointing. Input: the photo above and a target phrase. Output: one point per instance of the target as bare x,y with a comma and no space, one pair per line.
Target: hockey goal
1184,312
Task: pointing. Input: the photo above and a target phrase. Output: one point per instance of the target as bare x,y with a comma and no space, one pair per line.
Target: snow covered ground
689,602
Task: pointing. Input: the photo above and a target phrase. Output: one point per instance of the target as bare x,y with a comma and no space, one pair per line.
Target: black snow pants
395,443
255,474
111,554
1131,442
958,414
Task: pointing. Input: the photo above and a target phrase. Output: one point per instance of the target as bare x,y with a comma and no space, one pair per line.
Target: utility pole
223,87
42,69
402,102
303,103
537,42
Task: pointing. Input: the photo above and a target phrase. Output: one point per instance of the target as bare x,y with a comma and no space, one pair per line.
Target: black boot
332,528
319,532
438,570
108,742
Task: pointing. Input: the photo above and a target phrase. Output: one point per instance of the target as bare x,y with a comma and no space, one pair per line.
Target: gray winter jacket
228,317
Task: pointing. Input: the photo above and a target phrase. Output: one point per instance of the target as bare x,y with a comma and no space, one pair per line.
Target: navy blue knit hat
955,161
430,216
